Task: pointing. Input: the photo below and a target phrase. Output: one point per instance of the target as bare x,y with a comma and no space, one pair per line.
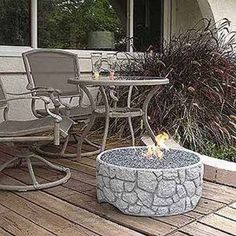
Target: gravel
137,158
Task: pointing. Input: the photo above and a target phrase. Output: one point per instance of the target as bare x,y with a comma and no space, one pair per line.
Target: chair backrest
51,68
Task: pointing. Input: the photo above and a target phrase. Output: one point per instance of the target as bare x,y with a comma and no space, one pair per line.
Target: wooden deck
72,209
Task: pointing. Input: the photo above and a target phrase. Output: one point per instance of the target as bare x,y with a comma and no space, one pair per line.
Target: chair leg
84,135
131,131
35,184
104,140
63,150
31,171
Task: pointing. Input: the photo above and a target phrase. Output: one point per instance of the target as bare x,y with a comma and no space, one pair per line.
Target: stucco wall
185,13
224,9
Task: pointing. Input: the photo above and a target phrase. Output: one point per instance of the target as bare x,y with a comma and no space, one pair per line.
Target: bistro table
107,87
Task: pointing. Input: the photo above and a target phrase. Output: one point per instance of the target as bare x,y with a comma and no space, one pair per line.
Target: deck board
220,223
199,229
72,209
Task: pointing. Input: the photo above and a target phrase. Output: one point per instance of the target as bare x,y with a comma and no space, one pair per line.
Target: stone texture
149,193
177,206
176,198
192,173
123,174
162,211
116,185
134,209
143,177
130,198
145,197
158,201
170,175
106,181
188,204
181,175
129,186
194,200
122,204
108,194
190,188
147,211
166,188
181,191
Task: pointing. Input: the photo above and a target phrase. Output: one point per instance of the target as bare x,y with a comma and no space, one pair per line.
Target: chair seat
11,128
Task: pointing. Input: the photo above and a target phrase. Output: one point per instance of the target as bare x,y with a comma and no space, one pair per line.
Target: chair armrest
46,101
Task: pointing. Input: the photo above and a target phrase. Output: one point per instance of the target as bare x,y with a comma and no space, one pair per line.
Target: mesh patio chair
25,133
51,69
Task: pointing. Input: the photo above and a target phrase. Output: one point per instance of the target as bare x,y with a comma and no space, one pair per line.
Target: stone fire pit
143,186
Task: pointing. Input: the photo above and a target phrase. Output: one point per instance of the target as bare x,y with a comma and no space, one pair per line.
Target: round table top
119,81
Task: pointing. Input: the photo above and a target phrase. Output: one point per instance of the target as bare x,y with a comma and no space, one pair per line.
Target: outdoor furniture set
54,77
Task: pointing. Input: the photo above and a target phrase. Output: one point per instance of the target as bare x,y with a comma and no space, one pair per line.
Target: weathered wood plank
142,224
193,214
18,225
4,233
178,220
227,212
219,192
233,205
40,216
221,223
207,206
77,215
199,229
76,185
76,166
178,234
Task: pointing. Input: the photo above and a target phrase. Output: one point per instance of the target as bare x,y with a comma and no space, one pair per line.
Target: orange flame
155,150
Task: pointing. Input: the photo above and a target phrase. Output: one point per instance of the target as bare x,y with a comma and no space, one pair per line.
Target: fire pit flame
155,150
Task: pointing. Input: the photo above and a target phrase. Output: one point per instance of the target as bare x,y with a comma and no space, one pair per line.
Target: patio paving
72,209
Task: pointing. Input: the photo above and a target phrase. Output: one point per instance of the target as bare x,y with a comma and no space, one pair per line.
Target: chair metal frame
59,100
32,137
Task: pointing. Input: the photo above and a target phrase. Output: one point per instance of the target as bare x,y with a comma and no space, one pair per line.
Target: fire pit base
149,187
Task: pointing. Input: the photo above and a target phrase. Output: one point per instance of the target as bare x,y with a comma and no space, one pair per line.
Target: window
15,22
147,24
82,24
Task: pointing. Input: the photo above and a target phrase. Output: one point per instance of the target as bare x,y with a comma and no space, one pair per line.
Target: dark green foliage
66,24
221,152
15,22
199,104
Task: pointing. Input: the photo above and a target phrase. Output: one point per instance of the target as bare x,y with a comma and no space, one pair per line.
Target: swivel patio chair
52,68
23,133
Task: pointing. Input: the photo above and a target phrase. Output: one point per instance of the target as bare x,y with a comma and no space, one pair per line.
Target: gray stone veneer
149,192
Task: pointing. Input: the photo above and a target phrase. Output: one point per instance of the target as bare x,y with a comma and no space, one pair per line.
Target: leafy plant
199,103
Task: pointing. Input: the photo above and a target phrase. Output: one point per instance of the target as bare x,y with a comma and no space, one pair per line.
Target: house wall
186,13
224,9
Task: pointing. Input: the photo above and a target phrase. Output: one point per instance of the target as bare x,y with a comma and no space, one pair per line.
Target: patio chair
23,133
52,68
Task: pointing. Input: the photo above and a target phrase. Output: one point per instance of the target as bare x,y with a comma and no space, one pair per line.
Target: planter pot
103,40
143,186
